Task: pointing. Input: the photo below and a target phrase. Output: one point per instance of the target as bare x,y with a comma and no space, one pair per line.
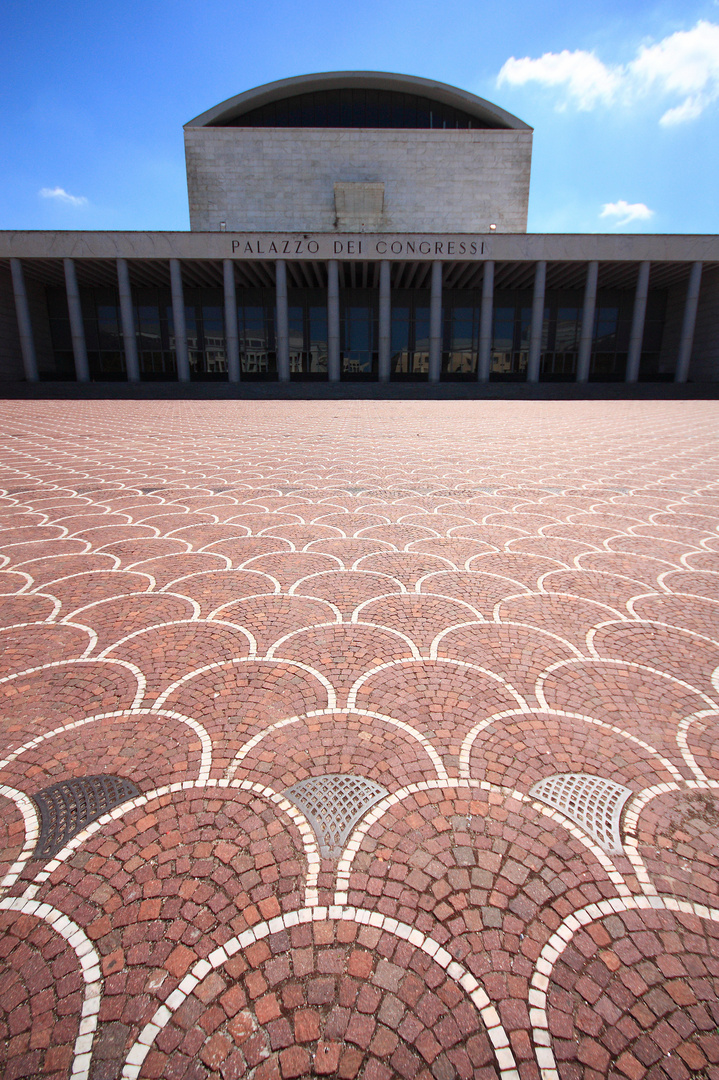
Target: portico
213,306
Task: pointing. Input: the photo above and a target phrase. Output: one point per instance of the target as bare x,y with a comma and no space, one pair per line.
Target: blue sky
623,96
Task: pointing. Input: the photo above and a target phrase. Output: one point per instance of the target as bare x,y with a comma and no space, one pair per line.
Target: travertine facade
283,178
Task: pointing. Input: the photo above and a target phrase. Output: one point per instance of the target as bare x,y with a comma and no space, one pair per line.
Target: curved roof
229,112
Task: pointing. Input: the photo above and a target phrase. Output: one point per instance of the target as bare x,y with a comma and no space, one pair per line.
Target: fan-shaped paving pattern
516,653
167,568
347,588
242,564
638,567
147,748
119,617
702,738
572,617
349,551
27,608
269,618
481,590
165,653
144,549
647,703
421,617
443,699
337,743
343,653
45,698
233,701
678,835
165,863
215,588
19,554
42,994
240,549
12,581
406,566
676,652
517,566
82,589
484,874
23,647
518,751
329,998
292,568
612,589
636,994
59,567
454,549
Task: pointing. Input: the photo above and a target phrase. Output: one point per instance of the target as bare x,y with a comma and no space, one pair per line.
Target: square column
282,324
178,322
24,323
484,360
127,318
333,320
535,332
385,323
435,324
232,339
587,336
77,327
634,355
690,317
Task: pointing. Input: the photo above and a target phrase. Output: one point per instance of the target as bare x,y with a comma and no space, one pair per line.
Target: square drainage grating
333,805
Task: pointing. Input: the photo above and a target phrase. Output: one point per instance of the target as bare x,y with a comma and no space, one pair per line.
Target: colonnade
232,340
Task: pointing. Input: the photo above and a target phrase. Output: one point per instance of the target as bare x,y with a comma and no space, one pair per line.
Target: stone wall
283,178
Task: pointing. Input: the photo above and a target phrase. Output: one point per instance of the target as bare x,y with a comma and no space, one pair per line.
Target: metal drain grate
66,808
333,805
591,801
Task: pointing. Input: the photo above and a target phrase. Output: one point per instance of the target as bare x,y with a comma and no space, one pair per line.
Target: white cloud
587,79
683,65
625,212
63,196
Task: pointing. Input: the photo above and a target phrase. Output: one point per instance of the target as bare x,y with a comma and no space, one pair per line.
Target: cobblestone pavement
359,739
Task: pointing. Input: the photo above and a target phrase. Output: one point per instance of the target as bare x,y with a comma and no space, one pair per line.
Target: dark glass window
155,334
561,331
103,339
256,328
510,337
462,313
60,362
612,328
205,330
561,328
358,332
409,335
357,108
308,332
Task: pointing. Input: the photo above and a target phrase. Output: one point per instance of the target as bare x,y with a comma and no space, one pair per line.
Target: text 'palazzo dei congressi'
358,226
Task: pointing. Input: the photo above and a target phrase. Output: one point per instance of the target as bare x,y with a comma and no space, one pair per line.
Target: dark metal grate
66,808
333,805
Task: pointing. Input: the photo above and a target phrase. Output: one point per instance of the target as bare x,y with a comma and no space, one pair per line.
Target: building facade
358,226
